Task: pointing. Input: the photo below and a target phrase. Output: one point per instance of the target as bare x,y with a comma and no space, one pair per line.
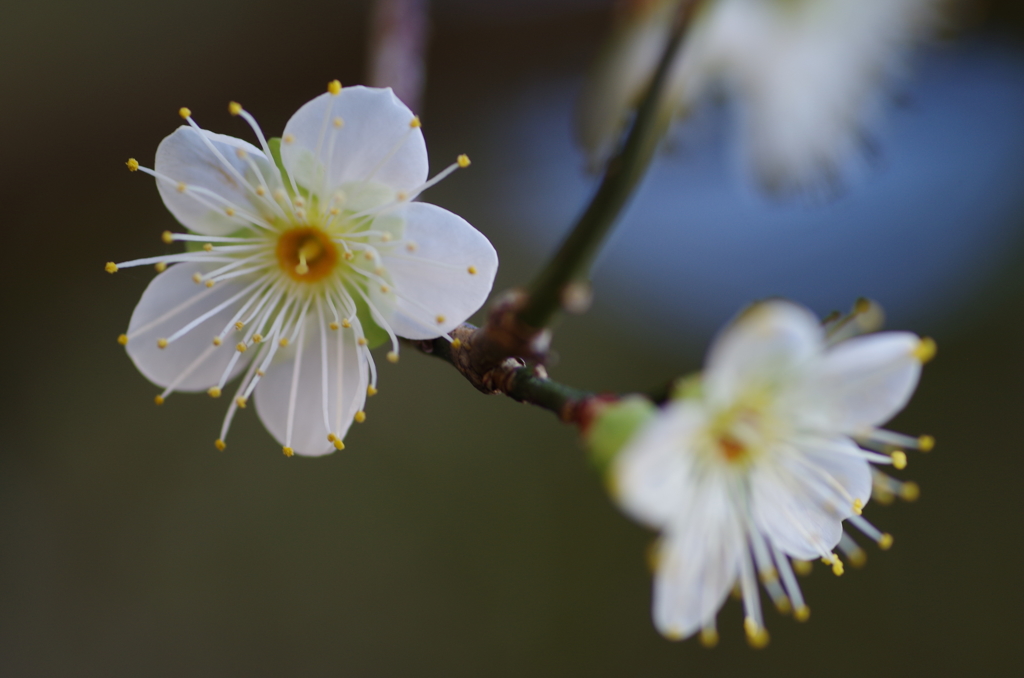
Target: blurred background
458,534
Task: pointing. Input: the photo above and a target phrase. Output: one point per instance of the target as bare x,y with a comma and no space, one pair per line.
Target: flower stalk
571,264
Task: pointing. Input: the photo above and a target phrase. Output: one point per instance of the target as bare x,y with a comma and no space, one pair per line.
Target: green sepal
374,334
275,150
614,426
688,387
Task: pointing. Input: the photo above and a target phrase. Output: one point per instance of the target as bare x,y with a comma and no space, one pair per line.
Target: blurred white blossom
807,75
305,252
762,460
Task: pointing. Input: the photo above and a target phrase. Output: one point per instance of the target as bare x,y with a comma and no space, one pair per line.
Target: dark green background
457,535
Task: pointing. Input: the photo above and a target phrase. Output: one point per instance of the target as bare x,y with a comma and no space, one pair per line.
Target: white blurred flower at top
807,75
762,460
306,252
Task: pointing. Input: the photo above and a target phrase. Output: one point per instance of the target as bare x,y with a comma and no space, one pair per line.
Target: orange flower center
306,253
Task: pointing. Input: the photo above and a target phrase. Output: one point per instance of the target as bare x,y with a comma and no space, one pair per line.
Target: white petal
800,496
274,392
166,292
769,345
376,141
864,382
434,281
699,561
806,75
654,473
185,158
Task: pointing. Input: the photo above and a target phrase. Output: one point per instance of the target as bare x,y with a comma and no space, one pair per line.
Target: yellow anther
184,112
440,319
257,338
181,187
463,161
925,349
392,357
334,87
338,445
197,277
331,437
885,542
219,444
334,325
339,123
899,459
167,237
161,343
209,283
122,339
361,341
783,605
837,566
371,390
283,342
862,305
347,256
239,325
234,108
360,417
456,343
111,267
708,637
385,289
334,211
857,557
240,347
299,202
242,155
858,506
369,255
160,266
411,247
261,191
803,567
471,270
229,211
279,194
217,341
208,247
401,196
289,139
241,402
133,165
260,373
415,122
346,323
673,633
159,400
802,613
288,452
910,492
926,443
757,636
213,391
386,237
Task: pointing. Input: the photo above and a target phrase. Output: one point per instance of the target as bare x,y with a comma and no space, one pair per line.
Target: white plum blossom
806,75
762,460
298,265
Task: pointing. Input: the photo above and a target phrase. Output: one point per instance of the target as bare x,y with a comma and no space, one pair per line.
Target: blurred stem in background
399,31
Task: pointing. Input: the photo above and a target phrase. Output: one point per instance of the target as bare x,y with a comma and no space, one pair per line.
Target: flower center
306,253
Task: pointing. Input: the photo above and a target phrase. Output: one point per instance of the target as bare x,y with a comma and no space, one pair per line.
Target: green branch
573,260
